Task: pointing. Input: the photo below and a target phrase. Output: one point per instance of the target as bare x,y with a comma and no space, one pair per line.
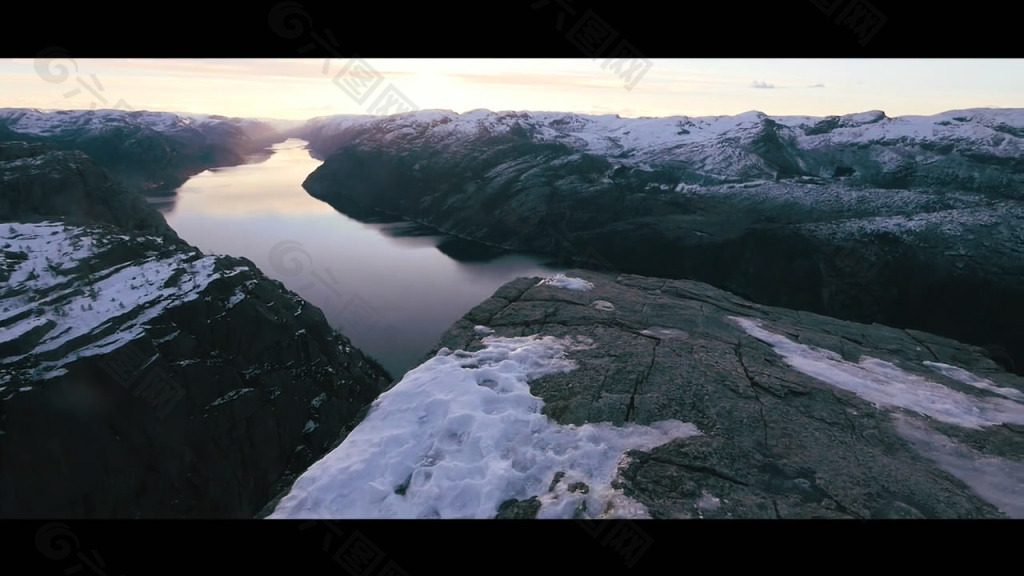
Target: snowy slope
889,387
63,315
884,384
140,378
461,434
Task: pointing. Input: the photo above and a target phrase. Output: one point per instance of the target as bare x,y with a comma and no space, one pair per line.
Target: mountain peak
869,117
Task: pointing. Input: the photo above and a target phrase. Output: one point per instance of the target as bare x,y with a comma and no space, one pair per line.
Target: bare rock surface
801,415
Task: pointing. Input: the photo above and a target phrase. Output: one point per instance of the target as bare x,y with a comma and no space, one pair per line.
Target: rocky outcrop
799,415
41,181
911,222
140,378
151,151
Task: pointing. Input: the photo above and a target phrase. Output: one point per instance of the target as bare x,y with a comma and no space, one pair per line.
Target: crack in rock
753,388
641,379
922,343
697,468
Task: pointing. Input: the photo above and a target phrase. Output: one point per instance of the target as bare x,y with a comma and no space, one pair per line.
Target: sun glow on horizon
299,89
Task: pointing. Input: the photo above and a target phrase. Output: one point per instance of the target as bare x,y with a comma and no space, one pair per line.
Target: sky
298,89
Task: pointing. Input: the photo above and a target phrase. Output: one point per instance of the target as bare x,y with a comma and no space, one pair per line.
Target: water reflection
165,201
393,287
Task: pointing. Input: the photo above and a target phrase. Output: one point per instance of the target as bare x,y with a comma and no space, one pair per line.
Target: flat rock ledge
800,415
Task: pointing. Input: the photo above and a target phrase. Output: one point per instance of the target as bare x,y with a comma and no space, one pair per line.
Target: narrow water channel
384,285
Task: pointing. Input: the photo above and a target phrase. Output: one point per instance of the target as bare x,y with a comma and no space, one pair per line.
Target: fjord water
386,286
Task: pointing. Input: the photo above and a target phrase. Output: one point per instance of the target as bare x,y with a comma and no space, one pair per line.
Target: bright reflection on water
393,296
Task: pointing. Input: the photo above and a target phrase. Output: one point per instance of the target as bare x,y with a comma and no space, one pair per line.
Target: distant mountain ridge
869,148
153,151
976,149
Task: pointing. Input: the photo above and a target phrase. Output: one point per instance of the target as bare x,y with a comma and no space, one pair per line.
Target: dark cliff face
140,378
39,180
861,246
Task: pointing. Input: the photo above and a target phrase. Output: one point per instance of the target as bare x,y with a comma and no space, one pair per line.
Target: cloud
761,84
816,86
536,80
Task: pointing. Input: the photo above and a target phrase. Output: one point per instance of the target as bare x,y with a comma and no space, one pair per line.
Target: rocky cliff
40,180
140,378
914,222
597,395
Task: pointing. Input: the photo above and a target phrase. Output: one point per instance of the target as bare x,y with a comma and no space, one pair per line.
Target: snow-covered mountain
155,151
970,149
63,123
